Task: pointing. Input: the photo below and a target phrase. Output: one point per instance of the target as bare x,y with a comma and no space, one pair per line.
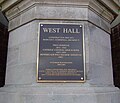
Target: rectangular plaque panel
61,53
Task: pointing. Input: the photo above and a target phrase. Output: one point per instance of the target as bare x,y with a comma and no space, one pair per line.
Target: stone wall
24,18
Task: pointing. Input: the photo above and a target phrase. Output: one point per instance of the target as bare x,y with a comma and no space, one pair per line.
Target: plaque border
38,45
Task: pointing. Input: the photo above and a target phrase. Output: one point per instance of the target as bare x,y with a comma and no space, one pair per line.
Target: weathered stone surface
23,34
22,61
21,85
49,12
21,74
27,11
100,72
57,93
96,19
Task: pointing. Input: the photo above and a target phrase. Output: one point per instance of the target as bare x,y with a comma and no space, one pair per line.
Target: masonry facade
24,17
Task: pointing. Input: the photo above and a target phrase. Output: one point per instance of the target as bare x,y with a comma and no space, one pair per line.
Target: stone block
61,12
100,54
21,74
14,23
100,75
94,18
100,36
28,52
59,93
9,97
23,53
101,98
29,15
94,53
13,56
106,53
49,12
105,25
100,63
23,34
99,21
20,62
60,98
105,39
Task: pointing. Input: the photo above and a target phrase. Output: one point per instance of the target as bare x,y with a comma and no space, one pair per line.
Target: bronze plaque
61,55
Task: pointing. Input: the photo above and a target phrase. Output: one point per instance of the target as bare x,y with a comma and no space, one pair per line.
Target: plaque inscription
61,53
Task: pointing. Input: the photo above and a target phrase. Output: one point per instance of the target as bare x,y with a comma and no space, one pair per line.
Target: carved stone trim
28,10
101,10
27,4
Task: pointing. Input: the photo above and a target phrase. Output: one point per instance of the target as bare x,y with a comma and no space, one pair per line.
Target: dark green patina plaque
61,53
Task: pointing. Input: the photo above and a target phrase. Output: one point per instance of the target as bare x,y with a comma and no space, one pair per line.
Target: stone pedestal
24,18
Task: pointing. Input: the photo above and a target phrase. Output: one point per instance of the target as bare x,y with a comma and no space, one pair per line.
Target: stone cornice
7,4
101,10
23,11
1,1
117,2
92,4
113,5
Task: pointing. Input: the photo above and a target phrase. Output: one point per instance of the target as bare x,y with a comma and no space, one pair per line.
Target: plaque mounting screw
82,78
80,25
40,78
41,24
